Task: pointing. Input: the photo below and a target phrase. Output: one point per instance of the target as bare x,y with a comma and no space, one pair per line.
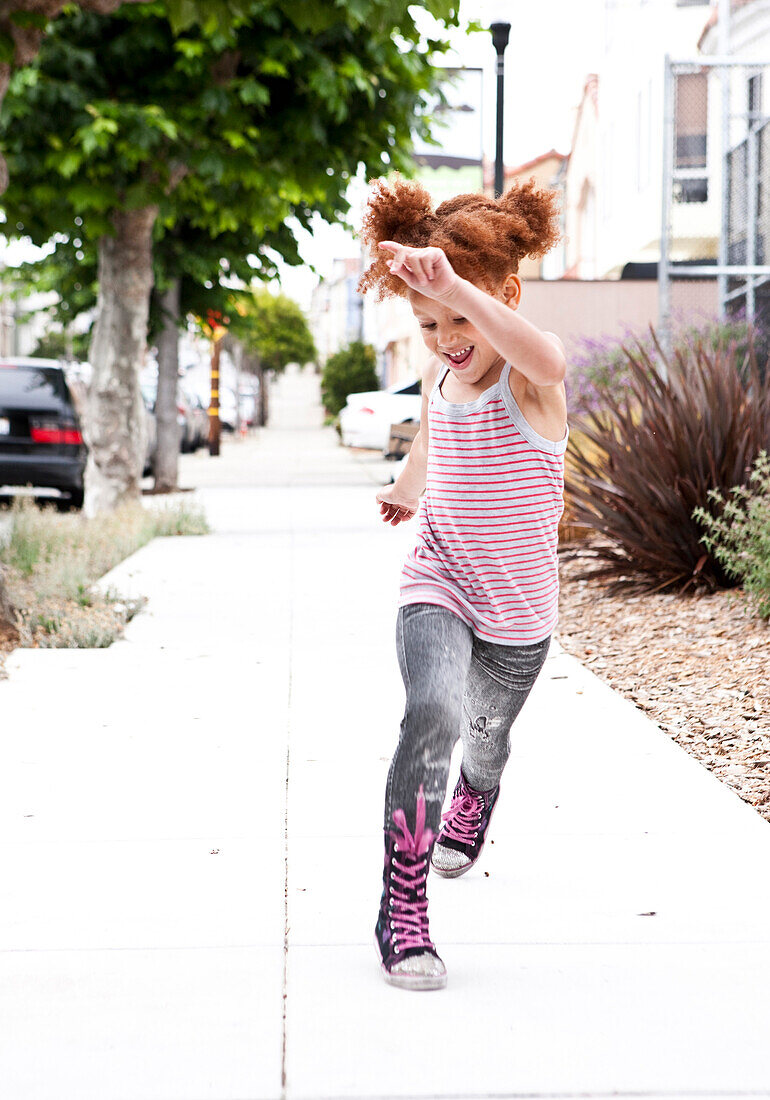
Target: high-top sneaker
464,827
409,958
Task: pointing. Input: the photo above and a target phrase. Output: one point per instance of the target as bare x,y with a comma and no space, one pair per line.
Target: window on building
691,120
754,96
690,131
691,190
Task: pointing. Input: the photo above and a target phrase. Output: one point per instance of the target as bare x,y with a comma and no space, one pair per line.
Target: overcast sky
554,44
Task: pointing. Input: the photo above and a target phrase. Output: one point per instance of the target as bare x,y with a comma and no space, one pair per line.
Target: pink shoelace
461,821
409,912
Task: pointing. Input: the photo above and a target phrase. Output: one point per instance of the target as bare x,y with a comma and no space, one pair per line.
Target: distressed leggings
456,686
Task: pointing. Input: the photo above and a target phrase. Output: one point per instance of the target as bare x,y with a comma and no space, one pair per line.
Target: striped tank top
486,546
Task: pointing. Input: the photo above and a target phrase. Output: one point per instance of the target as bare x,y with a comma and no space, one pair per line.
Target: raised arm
537,356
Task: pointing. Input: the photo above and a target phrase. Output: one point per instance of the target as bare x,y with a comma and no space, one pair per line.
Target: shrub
739,537
596,364
352,370
659,447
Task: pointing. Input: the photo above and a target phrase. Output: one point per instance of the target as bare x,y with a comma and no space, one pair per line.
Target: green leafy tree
130,129
351,370
273,332
22,24
193,273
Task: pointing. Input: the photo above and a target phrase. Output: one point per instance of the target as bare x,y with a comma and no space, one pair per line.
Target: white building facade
638,34
614,194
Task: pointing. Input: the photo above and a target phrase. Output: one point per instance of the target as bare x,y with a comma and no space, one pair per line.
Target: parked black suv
40,439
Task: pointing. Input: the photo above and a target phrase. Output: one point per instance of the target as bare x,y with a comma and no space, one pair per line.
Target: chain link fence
715,235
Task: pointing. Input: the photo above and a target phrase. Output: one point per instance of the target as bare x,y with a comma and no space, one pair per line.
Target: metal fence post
724,12
664,276
752,197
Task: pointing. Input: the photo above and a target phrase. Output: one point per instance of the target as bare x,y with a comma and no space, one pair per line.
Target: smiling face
454,340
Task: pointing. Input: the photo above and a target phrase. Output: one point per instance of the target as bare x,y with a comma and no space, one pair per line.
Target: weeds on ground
52,562
739,536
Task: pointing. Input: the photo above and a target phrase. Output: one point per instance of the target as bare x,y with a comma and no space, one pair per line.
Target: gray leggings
456,686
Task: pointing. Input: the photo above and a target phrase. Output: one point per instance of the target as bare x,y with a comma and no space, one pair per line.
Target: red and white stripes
486,547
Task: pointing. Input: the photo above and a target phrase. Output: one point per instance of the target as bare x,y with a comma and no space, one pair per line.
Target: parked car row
192,417
367,418
41,442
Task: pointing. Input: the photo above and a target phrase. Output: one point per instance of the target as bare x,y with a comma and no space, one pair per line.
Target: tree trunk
236,354
264,403
167,454
116,431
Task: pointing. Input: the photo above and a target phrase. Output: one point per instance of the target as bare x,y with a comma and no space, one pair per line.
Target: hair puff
484,238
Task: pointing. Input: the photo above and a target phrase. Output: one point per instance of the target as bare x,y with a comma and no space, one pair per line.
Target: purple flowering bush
599,365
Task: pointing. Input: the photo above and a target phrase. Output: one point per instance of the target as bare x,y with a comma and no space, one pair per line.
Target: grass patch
52,560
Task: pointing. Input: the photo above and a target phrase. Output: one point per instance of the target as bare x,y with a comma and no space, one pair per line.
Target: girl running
479,589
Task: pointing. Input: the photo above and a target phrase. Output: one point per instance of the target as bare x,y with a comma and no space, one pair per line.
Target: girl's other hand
426,270
395,508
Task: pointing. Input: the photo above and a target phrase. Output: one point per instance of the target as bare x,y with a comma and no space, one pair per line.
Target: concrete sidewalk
191,843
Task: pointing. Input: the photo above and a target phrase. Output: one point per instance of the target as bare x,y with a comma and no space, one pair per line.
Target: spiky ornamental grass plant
657,449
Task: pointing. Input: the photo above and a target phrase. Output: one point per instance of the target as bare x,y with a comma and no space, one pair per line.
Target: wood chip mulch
698,666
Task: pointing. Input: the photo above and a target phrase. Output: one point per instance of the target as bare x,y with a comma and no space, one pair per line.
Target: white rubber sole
416,982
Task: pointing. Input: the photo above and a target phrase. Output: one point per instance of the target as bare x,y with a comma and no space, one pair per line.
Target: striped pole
215,425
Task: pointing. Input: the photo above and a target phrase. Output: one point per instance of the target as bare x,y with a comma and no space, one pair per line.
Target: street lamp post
500,33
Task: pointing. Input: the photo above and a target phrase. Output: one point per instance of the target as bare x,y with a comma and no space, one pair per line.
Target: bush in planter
351,370
657,449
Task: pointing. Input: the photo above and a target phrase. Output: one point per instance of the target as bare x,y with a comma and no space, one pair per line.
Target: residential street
191,842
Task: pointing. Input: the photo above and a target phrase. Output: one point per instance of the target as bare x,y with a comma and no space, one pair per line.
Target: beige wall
574,309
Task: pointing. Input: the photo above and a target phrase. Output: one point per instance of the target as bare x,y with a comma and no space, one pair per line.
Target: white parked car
367,417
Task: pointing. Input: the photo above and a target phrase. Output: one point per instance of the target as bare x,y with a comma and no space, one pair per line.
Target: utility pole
215,424
218,330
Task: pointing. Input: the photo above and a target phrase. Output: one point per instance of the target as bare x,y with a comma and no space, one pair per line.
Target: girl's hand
426,270
395,508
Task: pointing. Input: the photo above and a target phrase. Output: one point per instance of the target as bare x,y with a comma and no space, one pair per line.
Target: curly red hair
484,239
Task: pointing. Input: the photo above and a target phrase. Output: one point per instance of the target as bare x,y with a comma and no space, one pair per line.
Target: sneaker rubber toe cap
448,861
418,972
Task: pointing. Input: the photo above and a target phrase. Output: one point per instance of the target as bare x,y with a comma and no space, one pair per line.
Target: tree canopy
272,328
22,24
165,131
252,121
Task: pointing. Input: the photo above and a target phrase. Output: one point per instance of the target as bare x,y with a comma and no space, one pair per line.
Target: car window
410,388
16,383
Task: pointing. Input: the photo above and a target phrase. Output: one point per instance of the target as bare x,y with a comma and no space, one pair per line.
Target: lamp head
500,34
